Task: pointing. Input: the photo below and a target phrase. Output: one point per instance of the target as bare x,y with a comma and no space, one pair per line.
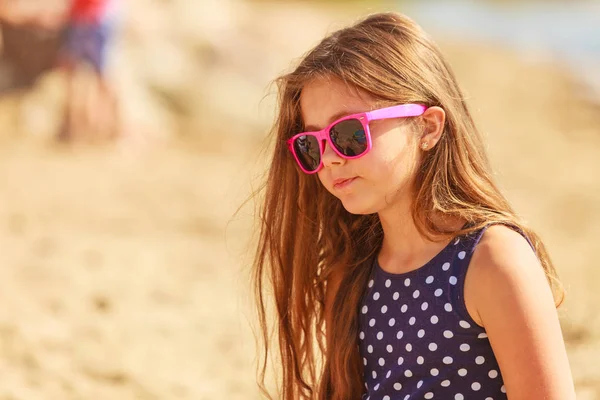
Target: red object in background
88,10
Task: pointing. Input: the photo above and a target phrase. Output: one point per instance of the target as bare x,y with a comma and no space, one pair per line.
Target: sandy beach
125,267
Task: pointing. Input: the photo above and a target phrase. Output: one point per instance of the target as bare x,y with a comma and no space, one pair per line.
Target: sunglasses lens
349,137
306,148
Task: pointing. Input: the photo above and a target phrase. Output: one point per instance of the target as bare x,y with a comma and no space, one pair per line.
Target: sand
124,268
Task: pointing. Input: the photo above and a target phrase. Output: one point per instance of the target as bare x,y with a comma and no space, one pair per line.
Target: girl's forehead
323,100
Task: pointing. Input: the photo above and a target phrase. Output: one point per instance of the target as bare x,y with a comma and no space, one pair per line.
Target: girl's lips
342,183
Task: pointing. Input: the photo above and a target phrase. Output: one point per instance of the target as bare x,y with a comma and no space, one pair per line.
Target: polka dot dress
416,338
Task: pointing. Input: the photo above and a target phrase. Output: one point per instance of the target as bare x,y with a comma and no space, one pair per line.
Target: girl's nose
330,157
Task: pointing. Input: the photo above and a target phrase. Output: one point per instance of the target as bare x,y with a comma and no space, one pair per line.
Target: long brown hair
305,233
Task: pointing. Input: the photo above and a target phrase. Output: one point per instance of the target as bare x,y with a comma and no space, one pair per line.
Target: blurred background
124,270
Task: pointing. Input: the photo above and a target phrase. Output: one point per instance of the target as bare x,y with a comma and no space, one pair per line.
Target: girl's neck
404,248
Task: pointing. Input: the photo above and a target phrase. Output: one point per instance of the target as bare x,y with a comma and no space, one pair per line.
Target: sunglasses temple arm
403,110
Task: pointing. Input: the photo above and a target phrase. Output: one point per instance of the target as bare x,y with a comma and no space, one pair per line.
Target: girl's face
381,179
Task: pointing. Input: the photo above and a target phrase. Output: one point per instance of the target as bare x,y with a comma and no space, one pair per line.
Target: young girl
398,269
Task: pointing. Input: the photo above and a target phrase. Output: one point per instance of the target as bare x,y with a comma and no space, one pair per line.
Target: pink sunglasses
349,136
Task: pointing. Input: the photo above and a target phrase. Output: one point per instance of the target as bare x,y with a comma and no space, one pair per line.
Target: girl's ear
433,125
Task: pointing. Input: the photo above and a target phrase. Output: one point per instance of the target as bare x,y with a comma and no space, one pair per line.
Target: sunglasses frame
324,135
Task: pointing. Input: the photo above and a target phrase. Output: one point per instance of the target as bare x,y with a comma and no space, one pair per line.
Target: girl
398,269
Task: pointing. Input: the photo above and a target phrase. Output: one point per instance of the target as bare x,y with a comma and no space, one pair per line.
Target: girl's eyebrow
341,114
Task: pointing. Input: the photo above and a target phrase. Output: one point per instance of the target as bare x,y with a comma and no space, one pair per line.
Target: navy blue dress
416,338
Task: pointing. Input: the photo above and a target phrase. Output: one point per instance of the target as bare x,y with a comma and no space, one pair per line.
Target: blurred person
400,271
91,113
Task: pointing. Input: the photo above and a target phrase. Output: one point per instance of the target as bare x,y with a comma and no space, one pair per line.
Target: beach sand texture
124,269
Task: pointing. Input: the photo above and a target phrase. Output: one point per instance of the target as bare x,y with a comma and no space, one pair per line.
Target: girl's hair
305,233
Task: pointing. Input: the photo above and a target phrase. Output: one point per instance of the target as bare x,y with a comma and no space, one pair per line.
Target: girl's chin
357,208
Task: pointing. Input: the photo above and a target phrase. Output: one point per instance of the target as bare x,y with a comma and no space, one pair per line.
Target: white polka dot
388,374
432,346
409,347
388,283
453,280
412,321
479,360
462,255
381,361
448,307
464,324
389,348
420,360
384,309
365,309
419,384
465,347
421,333
445,383
392,322
434,372
424,306
398,386
372,322
416,294
446,266
438,292
408,373
404,308
448,334
482,336
399,335
429,395
379,335
434,319
400,360
371,283
364,361
407,282
361,335
407,397
429,279
396,296
456,241
376,387
374,374
488,398
462,372
459,396
376,296
386,397
448,360
503,389
493,374
476,386
370,349
367,385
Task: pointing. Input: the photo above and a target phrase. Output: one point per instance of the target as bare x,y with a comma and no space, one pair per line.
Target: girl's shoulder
504,265
503,250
